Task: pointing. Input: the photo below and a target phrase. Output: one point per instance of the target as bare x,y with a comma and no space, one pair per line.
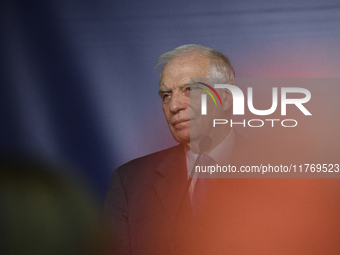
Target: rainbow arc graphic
208,92
204,97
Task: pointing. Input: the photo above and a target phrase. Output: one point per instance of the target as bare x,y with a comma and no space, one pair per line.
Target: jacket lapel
171,180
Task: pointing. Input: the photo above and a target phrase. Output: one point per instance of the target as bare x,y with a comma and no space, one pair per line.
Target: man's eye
165,96
189,89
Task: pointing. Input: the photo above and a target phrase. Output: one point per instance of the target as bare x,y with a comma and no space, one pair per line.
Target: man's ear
227,99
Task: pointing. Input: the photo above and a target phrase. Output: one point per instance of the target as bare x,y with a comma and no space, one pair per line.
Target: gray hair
220,66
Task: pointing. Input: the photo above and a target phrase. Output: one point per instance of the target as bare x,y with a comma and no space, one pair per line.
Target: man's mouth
180,121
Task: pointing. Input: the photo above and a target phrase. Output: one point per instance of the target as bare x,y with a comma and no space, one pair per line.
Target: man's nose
177,103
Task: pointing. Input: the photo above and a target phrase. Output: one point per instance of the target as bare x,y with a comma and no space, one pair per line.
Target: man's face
175,92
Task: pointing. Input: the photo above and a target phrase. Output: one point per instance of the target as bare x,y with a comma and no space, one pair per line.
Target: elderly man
154,207
150,203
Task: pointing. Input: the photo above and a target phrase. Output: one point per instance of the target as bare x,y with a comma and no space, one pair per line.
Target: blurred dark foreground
45,210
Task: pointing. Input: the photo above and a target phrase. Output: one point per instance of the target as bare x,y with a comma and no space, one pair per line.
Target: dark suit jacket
142,205
142,202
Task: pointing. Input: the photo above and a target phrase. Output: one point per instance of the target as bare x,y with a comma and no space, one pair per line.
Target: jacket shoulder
145,165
